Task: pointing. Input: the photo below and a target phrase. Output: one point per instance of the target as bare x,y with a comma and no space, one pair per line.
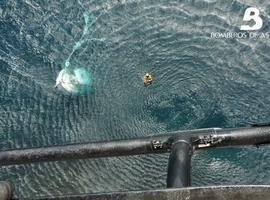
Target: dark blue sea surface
198,82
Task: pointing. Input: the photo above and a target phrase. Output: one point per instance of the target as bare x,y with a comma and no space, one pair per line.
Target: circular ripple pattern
198,82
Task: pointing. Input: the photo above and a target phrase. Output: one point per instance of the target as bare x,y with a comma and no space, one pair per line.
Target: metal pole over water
179,167
159,143
180,144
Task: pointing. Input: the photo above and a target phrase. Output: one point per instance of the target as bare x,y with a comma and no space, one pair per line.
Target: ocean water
198,82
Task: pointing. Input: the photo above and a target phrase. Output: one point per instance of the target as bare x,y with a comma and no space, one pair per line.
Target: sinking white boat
77,81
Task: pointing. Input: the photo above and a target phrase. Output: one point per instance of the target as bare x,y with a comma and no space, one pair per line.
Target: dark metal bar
232,192
79,151
203,138
5,190
179,167
233,137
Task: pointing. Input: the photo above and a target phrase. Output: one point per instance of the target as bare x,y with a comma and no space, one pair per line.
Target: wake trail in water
78,44
75,78
82,40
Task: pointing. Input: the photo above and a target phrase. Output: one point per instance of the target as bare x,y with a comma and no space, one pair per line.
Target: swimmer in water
147,79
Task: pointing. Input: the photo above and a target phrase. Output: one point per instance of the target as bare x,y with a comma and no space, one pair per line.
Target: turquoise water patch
84,80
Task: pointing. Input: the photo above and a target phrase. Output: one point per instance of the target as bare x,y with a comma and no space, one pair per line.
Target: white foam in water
77,82
64,81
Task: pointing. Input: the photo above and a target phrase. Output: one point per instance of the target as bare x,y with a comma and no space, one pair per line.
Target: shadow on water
174,111
214,119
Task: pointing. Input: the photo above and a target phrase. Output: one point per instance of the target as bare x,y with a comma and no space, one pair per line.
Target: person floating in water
147,79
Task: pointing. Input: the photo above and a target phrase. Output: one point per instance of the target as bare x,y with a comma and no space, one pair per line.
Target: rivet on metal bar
157,144
208,140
